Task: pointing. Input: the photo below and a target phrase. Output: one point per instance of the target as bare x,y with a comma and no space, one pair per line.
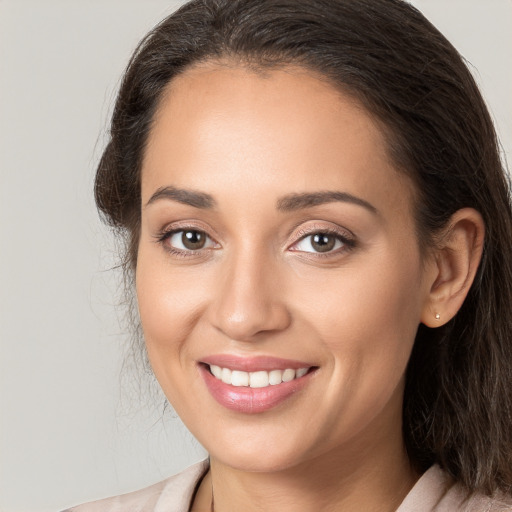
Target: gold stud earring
438,316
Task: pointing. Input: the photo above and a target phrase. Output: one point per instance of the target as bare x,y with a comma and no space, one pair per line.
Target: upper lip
254,363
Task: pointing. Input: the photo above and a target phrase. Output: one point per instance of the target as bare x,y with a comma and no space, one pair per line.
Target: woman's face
276,235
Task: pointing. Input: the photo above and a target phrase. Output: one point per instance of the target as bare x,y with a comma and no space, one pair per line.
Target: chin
258,453
259,462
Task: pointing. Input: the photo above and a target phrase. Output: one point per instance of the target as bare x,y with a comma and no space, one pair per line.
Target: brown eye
193,240
322,242
185,240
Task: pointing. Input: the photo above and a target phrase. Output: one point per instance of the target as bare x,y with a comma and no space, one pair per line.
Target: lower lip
251,400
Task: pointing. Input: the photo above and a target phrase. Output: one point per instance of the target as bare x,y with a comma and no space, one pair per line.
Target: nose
250,299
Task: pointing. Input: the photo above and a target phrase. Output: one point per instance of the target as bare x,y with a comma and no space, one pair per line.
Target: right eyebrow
300,201
184,196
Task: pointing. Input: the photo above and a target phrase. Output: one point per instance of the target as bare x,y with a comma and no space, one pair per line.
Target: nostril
244,321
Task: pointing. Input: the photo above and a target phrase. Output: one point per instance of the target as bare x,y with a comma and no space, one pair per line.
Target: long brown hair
458,397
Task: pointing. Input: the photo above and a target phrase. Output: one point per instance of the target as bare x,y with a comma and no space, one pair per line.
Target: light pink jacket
434,492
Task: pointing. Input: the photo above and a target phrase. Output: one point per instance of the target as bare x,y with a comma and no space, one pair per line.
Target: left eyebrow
185,196
292,202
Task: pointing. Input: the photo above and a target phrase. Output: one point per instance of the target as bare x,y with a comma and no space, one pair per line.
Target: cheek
366,316
375,292
170,302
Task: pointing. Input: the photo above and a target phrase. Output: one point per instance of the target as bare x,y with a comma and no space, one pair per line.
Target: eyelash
165,235
348,243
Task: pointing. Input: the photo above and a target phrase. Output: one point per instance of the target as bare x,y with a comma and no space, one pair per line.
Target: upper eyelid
175,227
332,230
166,235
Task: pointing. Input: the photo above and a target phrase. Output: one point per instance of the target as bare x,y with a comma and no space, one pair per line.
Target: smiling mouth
258,379
254,385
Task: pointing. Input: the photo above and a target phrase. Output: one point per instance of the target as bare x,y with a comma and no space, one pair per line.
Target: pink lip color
252,400
254,364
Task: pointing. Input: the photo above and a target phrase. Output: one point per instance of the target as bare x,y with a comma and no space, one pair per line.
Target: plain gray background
68,433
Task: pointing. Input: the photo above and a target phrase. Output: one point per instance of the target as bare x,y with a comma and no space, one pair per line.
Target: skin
259,288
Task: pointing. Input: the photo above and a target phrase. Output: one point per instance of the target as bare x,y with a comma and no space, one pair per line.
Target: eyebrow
294,202
184,196
288,203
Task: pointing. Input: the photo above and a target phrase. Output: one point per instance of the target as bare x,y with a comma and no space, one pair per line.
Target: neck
348,480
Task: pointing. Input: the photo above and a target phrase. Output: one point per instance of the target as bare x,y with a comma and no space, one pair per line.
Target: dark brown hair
458,397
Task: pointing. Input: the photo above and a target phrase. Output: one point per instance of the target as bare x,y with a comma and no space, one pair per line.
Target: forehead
277,132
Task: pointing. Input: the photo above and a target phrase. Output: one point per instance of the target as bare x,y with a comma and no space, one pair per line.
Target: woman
320,230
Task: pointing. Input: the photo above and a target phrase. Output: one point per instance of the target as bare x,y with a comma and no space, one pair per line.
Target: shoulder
171,495
435,491
490,504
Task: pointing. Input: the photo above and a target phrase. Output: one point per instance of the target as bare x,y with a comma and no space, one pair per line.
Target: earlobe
457,256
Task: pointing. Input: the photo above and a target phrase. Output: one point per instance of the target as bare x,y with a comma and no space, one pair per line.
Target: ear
455,262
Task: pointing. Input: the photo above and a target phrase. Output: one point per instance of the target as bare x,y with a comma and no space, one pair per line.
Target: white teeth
301,372
226,375
259,379
275,377
288,375
239,378
216,370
